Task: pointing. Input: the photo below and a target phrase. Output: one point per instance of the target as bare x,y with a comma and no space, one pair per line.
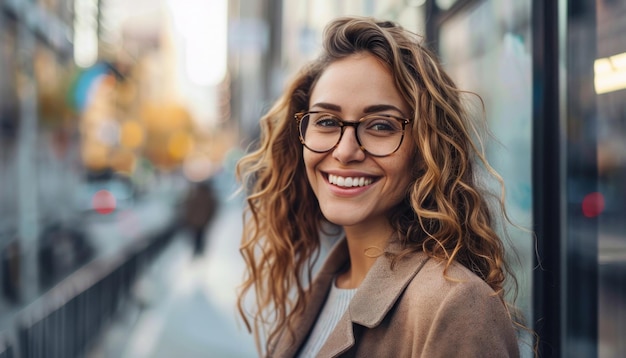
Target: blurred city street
115,114
184,306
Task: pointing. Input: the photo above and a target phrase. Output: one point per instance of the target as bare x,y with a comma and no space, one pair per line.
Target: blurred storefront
552,76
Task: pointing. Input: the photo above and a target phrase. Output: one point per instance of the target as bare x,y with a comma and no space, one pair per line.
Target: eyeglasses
379,135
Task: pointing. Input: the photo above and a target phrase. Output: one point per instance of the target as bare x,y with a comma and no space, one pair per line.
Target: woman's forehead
356,82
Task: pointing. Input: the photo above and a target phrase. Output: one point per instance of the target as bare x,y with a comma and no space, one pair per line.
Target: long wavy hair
444,213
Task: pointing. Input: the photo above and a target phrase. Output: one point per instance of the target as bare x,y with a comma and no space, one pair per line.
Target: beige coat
412,311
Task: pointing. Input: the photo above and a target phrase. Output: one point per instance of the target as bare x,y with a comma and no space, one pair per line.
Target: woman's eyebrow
328,106
369,109
381,108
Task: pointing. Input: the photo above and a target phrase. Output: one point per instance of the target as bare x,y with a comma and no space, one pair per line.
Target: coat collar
382,286
376,295
378,292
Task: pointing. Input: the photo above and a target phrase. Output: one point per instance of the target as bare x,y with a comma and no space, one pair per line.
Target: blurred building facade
37,163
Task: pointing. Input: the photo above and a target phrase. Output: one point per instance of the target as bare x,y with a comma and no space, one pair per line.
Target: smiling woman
372,138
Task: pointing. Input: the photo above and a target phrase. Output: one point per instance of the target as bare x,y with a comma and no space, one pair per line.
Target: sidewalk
185,306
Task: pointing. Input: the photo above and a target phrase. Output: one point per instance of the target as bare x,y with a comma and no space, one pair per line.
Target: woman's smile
349,185
349,182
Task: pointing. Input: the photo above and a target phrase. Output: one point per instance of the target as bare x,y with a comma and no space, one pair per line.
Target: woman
373,138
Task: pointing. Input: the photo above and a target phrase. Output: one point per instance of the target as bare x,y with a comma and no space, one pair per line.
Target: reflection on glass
610,85
487,51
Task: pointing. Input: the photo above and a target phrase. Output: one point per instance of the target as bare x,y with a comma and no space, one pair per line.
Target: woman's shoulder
456,306
437,284
452,312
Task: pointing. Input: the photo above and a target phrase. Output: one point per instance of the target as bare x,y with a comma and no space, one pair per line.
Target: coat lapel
377,294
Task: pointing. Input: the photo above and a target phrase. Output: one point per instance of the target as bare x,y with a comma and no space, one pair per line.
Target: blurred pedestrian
199,209
373,137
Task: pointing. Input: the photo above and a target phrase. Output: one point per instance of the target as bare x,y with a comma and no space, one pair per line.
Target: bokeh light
593,204
131,134
103,202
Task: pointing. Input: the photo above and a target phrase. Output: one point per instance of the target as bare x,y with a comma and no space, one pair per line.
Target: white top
335,306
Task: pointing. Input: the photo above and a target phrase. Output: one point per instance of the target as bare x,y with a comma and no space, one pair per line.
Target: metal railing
64,321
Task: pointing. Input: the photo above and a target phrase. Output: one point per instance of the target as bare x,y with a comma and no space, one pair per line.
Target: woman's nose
348,148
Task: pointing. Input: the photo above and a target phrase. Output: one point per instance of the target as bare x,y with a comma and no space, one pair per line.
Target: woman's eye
327,122
383,125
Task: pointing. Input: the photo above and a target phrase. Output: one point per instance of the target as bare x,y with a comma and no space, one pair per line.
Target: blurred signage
610,73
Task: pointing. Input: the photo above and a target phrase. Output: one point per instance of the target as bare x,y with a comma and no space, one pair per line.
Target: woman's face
351,88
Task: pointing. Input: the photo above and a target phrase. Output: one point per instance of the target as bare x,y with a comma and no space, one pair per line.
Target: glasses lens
320,131
380,135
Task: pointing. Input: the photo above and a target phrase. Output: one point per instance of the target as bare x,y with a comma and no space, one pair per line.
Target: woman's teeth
348,182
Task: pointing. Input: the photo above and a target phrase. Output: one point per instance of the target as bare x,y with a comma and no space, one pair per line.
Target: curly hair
444,213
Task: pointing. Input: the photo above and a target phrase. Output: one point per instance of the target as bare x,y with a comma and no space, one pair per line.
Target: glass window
487,50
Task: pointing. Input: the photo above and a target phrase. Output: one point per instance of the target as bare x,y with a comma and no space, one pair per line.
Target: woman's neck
365,244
